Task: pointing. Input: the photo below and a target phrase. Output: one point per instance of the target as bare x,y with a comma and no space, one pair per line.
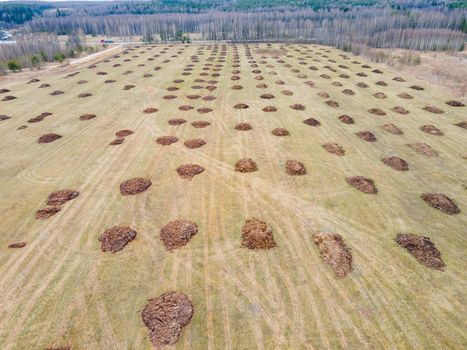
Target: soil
298,107
241,106
22,127
399,79
323,94
199,124
380,95
334,252
348,92
280,132
17,245
400,110
405,96
334,148
462,125
185,108
165,316
441,202
396,163
346,119
393,129
87,116
117,141
423,149
269,109
433,109
169,97
134,186
47,212
47,138
257,234
40,117
166,140
243,127
454,103
246,165
9,98
116,238
209,98
417,87
85,94
362,85
123,133
377,111
150,110
237,87
332,104
177,121
422,249
366,136
362,184
312,122
204,110
128,87
42,86
267,96
287,92
432,130
188,171
4,91
294,168
61,197
177,234
4,117
194,143
381,83
193,97
56,92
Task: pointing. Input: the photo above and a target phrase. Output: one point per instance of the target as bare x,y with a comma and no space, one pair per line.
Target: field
62,290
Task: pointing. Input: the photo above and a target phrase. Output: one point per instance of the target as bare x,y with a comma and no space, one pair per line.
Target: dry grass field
61,290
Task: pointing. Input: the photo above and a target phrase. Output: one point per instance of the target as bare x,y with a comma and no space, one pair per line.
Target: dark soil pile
280,132
431,129
209,98
116,238
362,184
188,171
312,122
47,212
40,117
134,186
257,234
417,87
423,149
433,109
346,119
399,79
334,252
123,133
377,111
287,92
396,163
61,197
150,110
47,138
204,110
332,104
243,127
4,91
199,124
193,97
22,127
177,121
380,95
43,86
267,96
381,83
117,141
185,108
84,94
82,82
362,85
323,94
56,92
422,249
237,87
269,109
87,116
393,129
241,106
462,125
366,136
110,81
405,96
454,103
194,143
348,92
334,148
4,117
166,140
165,316
17,245
400,110
178,233
9,98
441,202
128,87
246,165
294,168
298,107
169,97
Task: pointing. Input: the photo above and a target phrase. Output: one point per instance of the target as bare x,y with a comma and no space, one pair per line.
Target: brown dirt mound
150,110
377,111
43,86
199,124
337,83
396,163
61,197
56,92
323,94
4,91
166,140
366,136
128,87
257,234
462,125
432,130
116,238
177,121
40,117
117,141
178,81
312,122
334,252
134,186
377,71
241,106
346,119
22,127
185,108
246,165
4,117
417,87
85,94
243,127
165,316
17,245
441,202
178,233
332,104
237,87
188,171
47,138
269,109
362,85
422,249
33,81
169,97
423,149
393,129
280,132
267,96
294,168
405,96
334,148
400,110
381,83
47,212
209,98
101,73
454,103
287,92
204,110
298,107
362,184
123,133
193,97
348,92
87,116
399,79
380,95
194,143
433,109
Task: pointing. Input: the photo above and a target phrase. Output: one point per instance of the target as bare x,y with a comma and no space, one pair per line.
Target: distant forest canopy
352,25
